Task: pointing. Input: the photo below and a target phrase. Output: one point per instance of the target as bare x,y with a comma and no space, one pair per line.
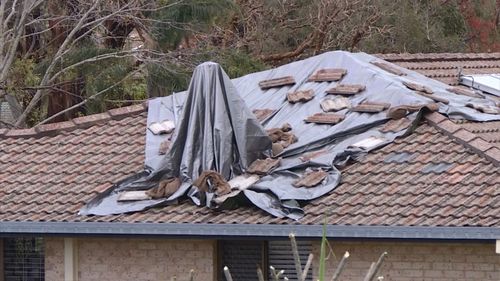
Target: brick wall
114,259
416,261
54,259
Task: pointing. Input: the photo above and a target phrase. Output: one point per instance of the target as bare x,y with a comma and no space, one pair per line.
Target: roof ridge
416,57
75,123
464,137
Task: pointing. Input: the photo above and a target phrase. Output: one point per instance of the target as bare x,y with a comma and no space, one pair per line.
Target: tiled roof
443,174
445,67
426,178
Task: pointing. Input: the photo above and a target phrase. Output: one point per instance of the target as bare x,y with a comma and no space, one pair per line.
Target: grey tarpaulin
216,130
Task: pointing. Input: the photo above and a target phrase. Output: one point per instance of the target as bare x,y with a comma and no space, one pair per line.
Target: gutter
172,230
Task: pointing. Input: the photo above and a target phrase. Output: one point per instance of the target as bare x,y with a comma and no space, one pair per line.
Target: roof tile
464,135
435,117
494,153
21,132
126,111
448,127
92,119
54,127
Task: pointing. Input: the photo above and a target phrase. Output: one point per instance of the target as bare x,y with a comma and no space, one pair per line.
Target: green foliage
170,77
419,26
235,62
182,18
163,80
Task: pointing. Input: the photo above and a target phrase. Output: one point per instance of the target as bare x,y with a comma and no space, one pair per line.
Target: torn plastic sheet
318,146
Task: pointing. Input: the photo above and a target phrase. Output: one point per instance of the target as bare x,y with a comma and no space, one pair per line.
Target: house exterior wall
415,261
116,259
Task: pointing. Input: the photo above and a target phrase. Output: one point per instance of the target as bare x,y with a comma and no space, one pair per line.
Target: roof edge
418,57
248,230
76,123
464,137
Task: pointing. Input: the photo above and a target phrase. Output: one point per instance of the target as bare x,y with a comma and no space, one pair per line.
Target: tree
78,53
277,31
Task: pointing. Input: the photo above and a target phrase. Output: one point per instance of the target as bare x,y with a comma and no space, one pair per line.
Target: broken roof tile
300,96
346,89
262,114
369,142
165,188
325,118
212,179
464,92
310,179
335,104
163,127
433,97
389,68
277,82
311,155
401,111
370,107
484,108
263,166
327,75
135,195
418,87
396,125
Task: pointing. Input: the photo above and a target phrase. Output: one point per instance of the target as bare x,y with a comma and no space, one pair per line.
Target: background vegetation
62,59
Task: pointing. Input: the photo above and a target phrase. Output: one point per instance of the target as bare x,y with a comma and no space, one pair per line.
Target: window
243,257
23,259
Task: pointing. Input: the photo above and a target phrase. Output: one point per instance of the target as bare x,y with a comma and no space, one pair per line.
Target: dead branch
54,61
374,267
340,267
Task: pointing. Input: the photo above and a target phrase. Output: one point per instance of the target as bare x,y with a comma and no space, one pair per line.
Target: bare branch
56,58
88,99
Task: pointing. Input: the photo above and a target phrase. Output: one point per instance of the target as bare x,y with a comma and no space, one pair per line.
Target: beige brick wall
416,261
54,259
115,259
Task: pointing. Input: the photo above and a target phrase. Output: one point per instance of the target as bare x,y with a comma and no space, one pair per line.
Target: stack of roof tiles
443,174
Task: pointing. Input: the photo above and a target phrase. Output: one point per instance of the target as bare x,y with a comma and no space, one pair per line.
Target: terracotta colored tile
262,114
464,135
300,96
325,118
328,75
263,166
277,82
417,87
389,68
127,110
346,89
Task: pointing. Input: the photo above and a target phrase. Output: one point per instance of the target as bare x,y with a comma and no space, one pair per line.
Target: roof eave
247,230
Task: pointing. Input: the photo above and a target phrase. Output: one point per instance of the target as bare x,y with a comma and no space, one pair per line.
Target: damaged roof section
394,103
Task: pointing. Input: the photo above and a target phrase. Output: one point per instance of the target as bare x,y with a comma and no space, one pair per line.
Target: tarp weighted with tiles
216,131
